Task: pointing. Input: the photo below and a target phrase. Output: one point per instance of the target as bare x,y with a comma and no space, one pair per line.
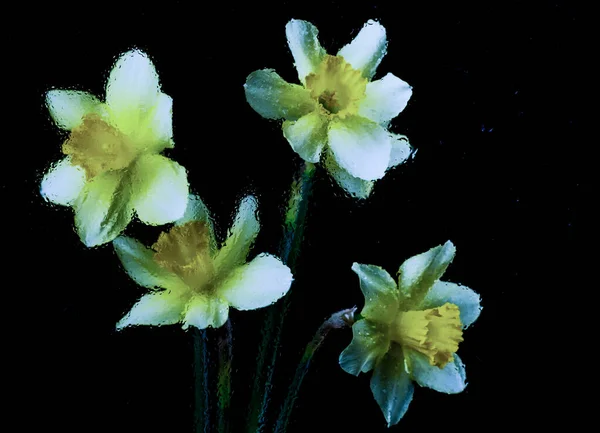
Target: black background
501,170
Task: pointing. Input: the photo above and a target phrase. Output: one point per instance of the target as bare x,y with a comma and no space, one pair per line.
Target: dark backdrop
500,170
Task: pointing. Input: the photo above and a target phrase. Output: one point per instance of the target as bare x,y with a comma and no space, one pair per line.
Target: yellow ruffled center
98,146
435,332
185,251
336,86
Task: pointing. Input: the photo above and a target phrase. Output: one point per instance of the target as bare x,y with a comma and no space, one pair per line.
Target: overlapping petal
354,186
401,150
450,379
380,292
307,135
468,302
369,343
67,107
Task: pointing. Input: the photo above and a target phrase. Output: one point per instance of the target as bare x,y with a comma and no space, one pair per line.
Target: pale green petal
132,89
401,150
367,49
380,291
303,40
369,344
352,185
63,183
203,311
241,237
160,189
385,99
196,210
256,284
138,262
468,302
274,98
419,273
157,132
159,308
392,386
67,107
450,379
361,147
103,209
307,135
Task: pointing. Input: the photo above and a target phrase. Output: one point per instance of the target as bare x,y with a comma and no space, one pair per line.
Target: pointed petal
63,183
385,99
273,98
139,263
392,386
307,135
352,185
241,236
369,343
160,189
367,49
67,107
132,87
203,311
157,133
468,302
303,40
401,150
361,147
161,308
103,209
256,284
450,379
419,273
380,291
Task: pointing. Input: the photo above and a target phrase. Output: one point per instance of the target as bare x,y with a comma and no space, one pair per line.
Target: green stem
201,385
273,325
225,345
339,320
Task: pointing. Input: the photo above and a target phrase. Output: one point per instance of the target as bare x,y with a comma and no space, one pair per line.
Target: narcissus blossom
338,114
193,281
410,330
113,165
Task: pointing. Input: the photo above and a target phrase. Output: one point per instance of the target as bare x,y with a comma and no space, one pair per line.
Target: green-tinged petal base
380,292
161,308
203,312
307,135
369,343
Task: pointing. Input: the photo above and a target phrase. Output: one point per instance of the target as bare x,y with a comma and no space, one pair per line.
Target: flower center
337,86
185,251
98,147
435,332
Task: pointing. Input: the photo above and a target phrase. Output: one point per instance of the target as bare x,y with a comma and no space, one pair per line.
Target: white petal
401,150
367,49
307,135
241,236
103,209
162,308
132,85
392,386
361,147
303,40
63,183
157,133
203,311
67,107
385,99
468,302
450,379
418,274
257,284
274,98
369,344
139,263
160,189
352,185
380,292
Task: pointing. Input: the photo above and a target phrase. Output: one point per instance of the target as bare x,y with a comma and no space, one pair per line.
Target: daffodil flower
410,330
113,165
193,281
337,113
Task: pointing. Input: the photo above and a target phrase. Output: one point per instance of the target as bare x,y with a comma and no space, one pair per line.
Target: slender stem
339,320
225,345
273,325
201,385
